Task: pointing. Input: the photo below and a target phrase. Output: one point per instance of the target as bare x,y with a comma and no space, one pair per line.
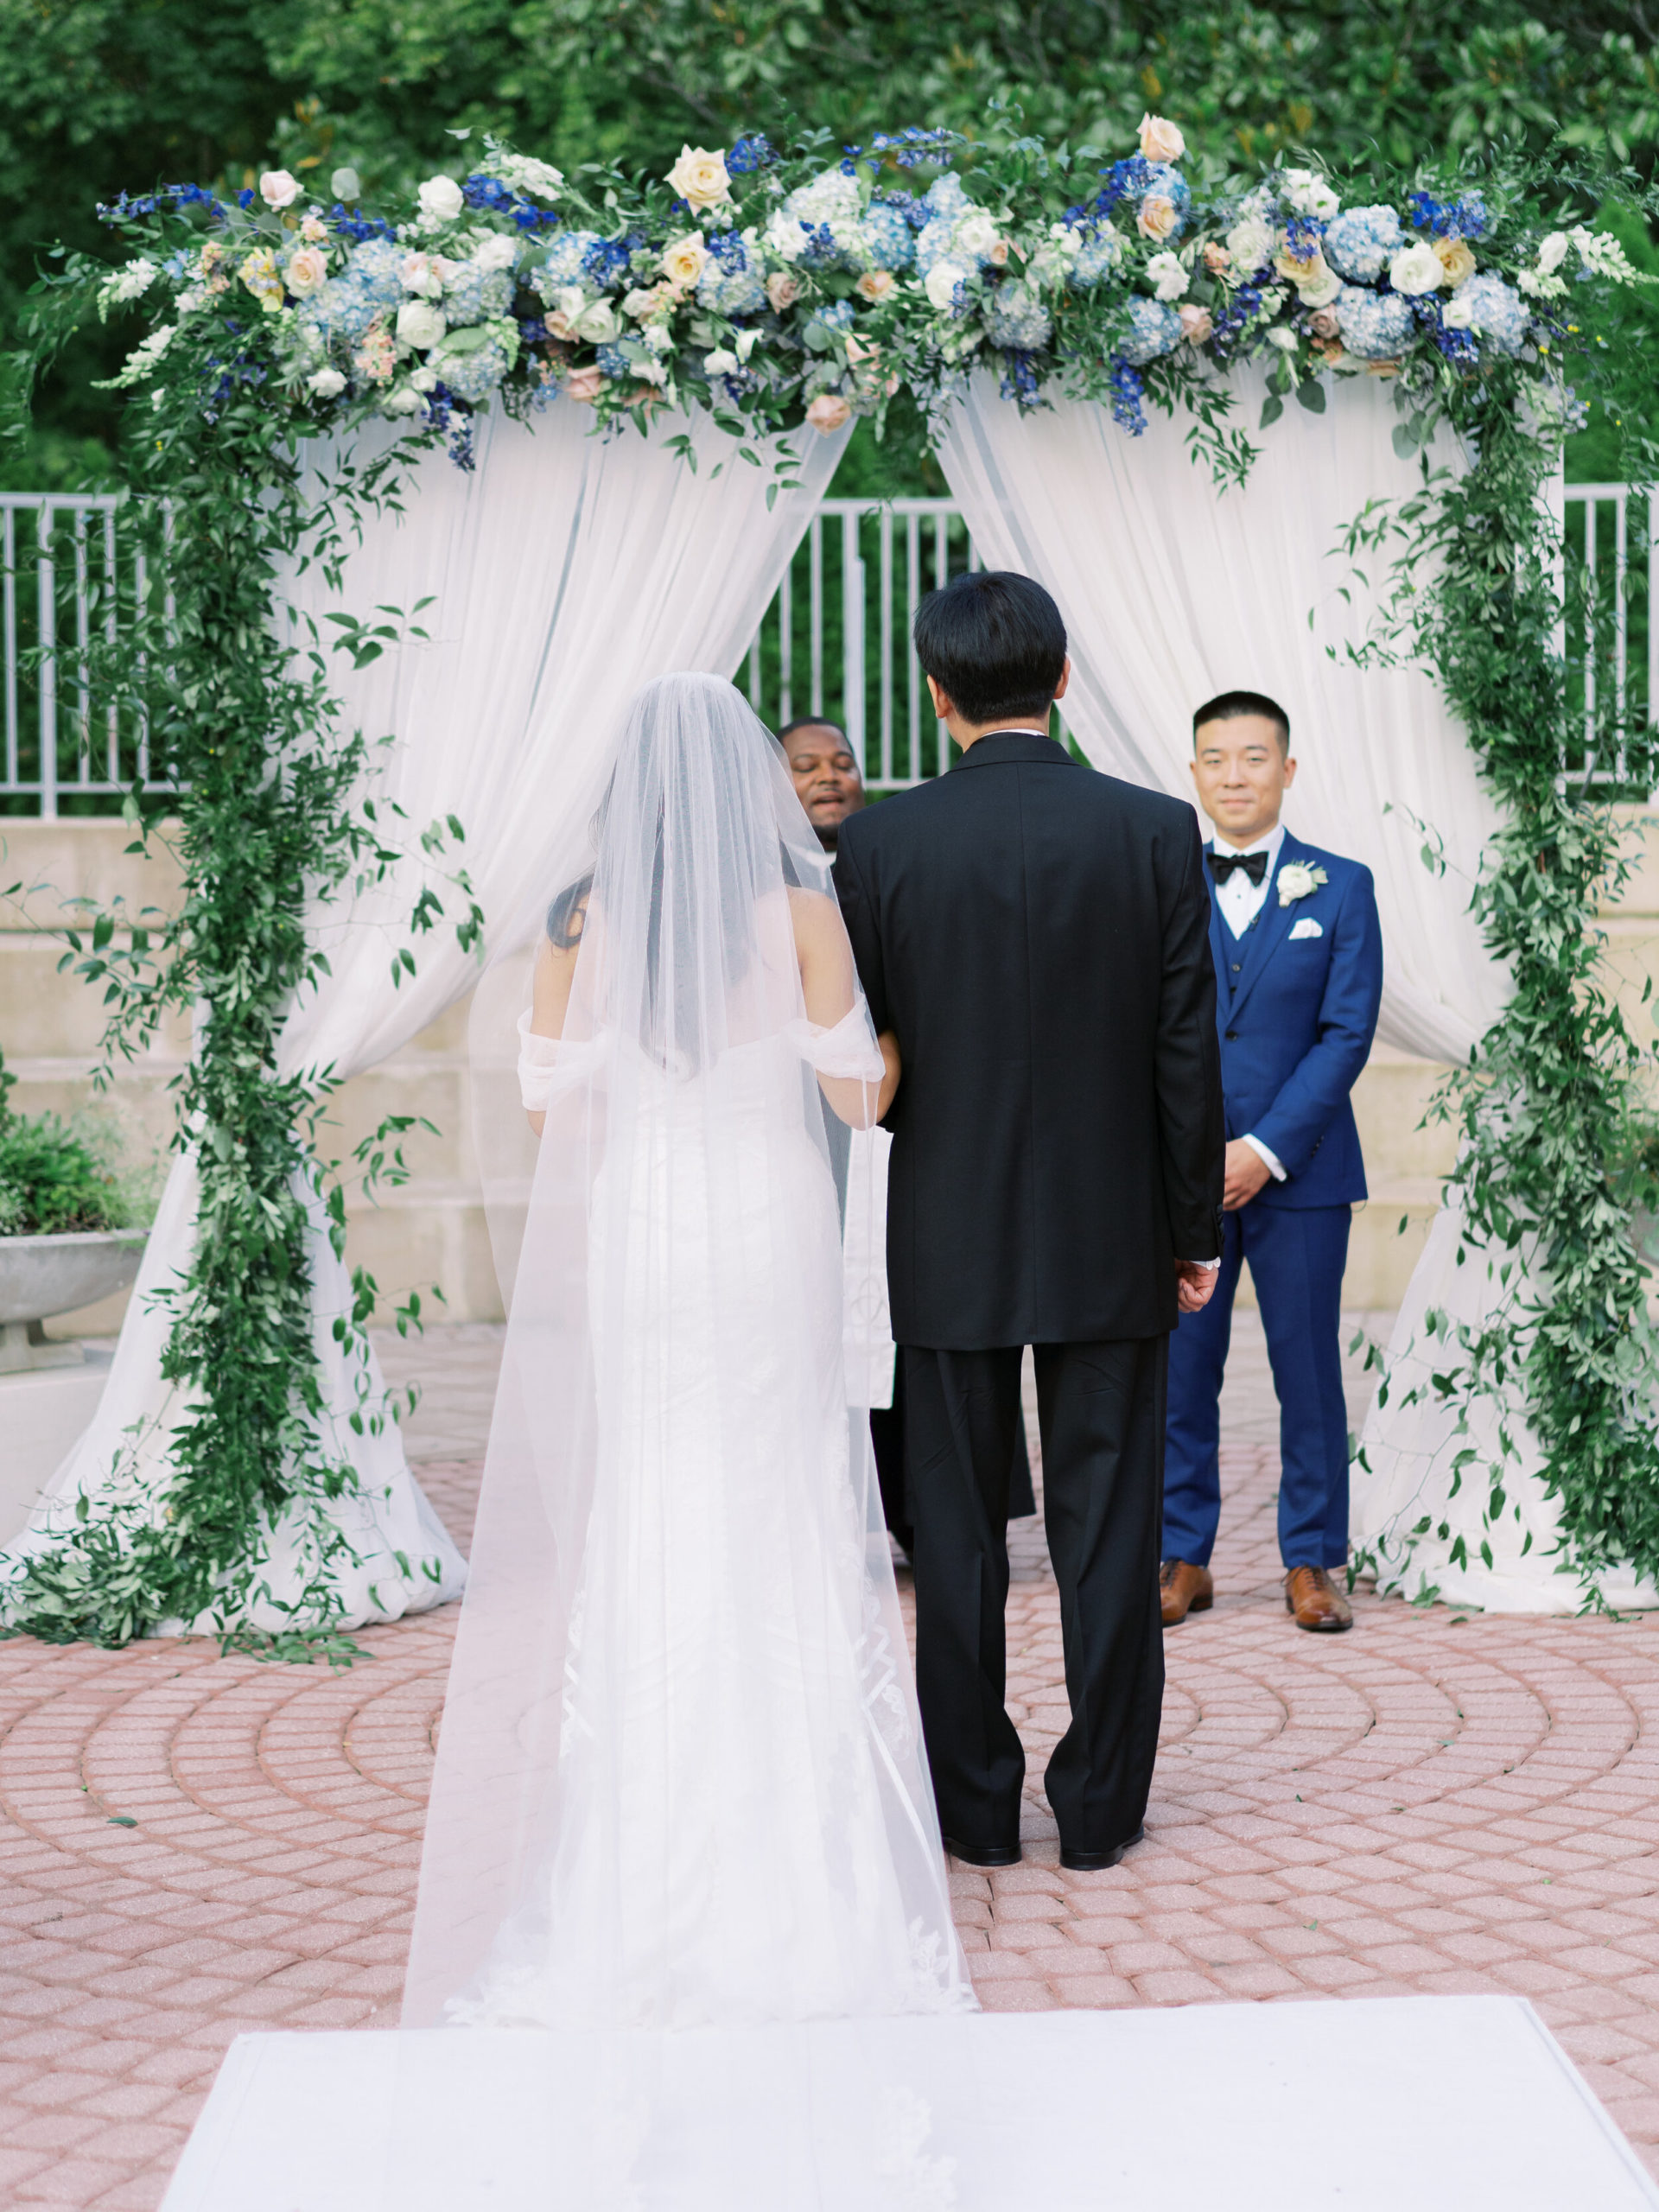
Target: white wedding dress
727,1821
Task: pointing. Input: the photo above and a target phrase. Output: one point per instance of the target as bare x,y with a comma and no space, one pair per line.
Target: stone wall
432,1230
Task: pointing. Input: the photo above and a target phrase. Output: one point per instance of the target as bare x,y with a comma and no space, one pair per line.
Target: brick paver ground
192,1846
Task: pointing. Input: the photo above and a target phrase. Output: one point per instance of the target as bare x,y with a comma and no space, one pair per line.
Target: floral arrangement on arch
777,291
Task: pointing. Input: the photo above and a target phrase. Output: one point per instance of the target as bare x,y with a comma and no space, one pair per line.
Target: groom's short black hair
1228,706
994,642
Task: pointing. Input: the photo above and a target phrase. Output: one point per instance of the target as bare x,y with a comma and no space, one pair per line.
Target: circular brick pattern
191,1846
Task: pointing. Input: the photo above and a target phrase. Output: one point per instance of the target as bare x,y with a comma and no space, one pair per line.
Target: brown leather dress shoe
1183,1589
1316,1602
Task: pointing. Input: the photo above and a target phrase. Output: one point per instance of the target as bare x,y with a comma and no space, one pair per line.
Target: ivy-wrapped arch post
779,289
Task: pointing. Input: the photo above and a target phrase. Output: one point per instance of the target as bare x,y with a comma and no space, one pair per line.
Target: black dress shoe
983,1854
1091,1862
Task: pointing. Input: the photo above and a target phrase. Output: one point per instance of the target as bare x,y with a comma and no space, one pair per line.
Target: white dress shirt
1241,901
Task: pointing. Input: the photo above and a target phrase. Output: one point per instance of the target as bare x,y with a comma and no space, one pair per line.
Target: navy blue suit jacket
1296,1016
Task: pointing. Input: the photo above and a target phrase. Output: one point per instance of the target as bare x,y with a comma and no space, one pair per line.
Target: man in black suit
1036,938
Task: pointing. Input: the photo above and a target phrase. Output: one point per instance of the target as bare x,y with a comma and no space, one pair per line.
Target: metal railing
835,641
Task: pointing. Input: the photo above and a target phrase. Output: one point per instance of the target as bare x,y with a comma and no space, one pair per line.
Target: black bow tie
1255,865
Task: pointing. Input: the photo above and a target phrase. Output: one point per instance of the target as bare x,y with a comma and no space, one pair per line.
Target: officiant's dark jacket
1037,936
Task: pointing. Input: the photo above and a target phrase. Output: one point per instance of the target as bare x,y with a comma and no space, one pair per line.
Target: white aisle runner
1438,2104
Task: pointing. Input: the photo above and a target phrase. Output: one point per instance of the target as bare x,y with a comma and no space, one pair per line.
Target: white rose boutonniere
1296,879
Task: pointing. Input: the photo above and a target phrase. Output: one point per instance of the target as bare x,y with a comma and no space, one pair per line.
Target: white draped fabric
561,573
1172,591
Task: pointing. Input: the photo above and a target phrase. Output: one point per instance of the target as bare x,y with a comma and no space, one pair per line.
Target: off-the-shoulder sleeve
849,1049
548,1066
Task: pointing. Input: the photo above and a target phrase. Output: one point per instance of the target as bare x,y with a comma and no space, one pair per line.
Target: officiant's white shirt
1241,901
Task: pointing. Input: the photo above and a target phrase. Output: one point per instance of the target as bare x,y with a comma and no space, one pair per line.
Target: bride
681,1778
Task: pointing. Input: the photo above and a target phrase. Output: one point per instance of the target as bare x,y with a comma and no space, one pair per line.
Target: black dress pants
1102,1412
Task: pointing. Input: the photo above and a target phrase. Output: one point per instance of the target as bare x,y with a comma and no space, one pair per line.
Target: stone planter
43,1275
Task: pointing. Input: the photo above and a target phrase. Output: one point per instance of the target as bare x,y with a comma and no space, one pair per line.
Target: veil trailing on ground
681,1775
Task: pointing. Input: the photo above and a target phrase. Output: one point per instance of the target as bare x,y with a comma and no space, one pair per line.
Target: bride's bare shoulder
813,914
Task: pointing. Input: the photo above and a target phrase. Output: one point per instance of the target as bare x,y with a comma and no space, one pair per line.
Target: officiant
828,782
1298,951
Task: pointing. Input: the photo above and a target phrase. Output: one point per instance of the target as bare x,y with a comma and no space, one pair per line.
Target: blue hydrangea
933,243
612,361
1358,242
475,295
1016,318
1375,326
1101,254
371,283
834,315
472,376
888,235
731,283
945,195
1154,328
1496,310
563,264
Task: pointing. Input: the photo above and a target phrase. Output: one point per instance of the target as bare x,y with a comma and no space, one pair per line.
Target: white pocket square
1306,927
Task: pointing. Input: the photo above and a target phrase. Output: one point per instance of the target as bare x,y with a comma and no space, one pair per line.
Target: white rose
1284,339
720,363
942,279
307,271
441,200
1320,287
1167,275
403,401
496,251
597,324
1250,244
1415,269
977,234
683,260
425,378
1553,252
1457,314
278,189
700,177
327,384
420,324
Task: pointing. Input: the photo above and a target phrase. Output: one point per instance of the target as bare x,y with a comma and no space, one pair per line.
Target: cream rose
1160,139
829,413
683,261
441,200
783,290
876,284
278,189
584,384
1457,262
307,271
1158,216
1320,286
941,284
1415,269
1196,325
420,324
701,177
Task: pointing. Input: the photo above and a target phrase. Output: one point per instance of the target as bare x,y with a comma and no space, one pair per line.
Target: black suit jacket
1037,936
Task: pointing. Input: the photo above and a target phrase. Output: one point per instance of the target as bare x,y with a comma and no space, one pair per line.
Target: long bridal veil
680,1777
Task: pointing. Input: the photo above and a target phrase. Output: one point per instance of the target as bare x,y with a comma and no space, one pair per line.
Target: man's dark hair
813,722
1228,706
995,644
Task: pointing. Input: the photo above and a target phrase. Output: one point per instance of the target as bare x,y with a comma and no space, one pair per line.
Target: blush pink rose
829,413
1196,325
1158,216
1323,323
1160,139
783,290
584,384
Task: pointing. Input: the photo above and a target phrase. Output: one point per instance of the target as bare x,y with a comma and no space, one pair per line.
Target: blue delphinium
1375,326
731,283
1460,347
1496,310
888,235
1154,328
475,295
1020,379
1128,390
605,263
1358,242
1462,218
749,154
1016,319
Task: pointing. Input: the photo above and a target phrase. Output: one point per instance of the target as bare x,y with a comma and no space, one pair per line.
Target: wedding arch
426,490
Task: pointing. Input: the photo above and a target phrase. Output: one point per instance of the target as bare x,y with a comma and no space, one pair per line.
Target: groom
1035,936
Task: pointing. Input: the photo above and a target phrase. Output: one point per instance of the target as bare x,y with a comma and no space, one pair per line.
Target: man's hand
1246,1173
1193,1285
